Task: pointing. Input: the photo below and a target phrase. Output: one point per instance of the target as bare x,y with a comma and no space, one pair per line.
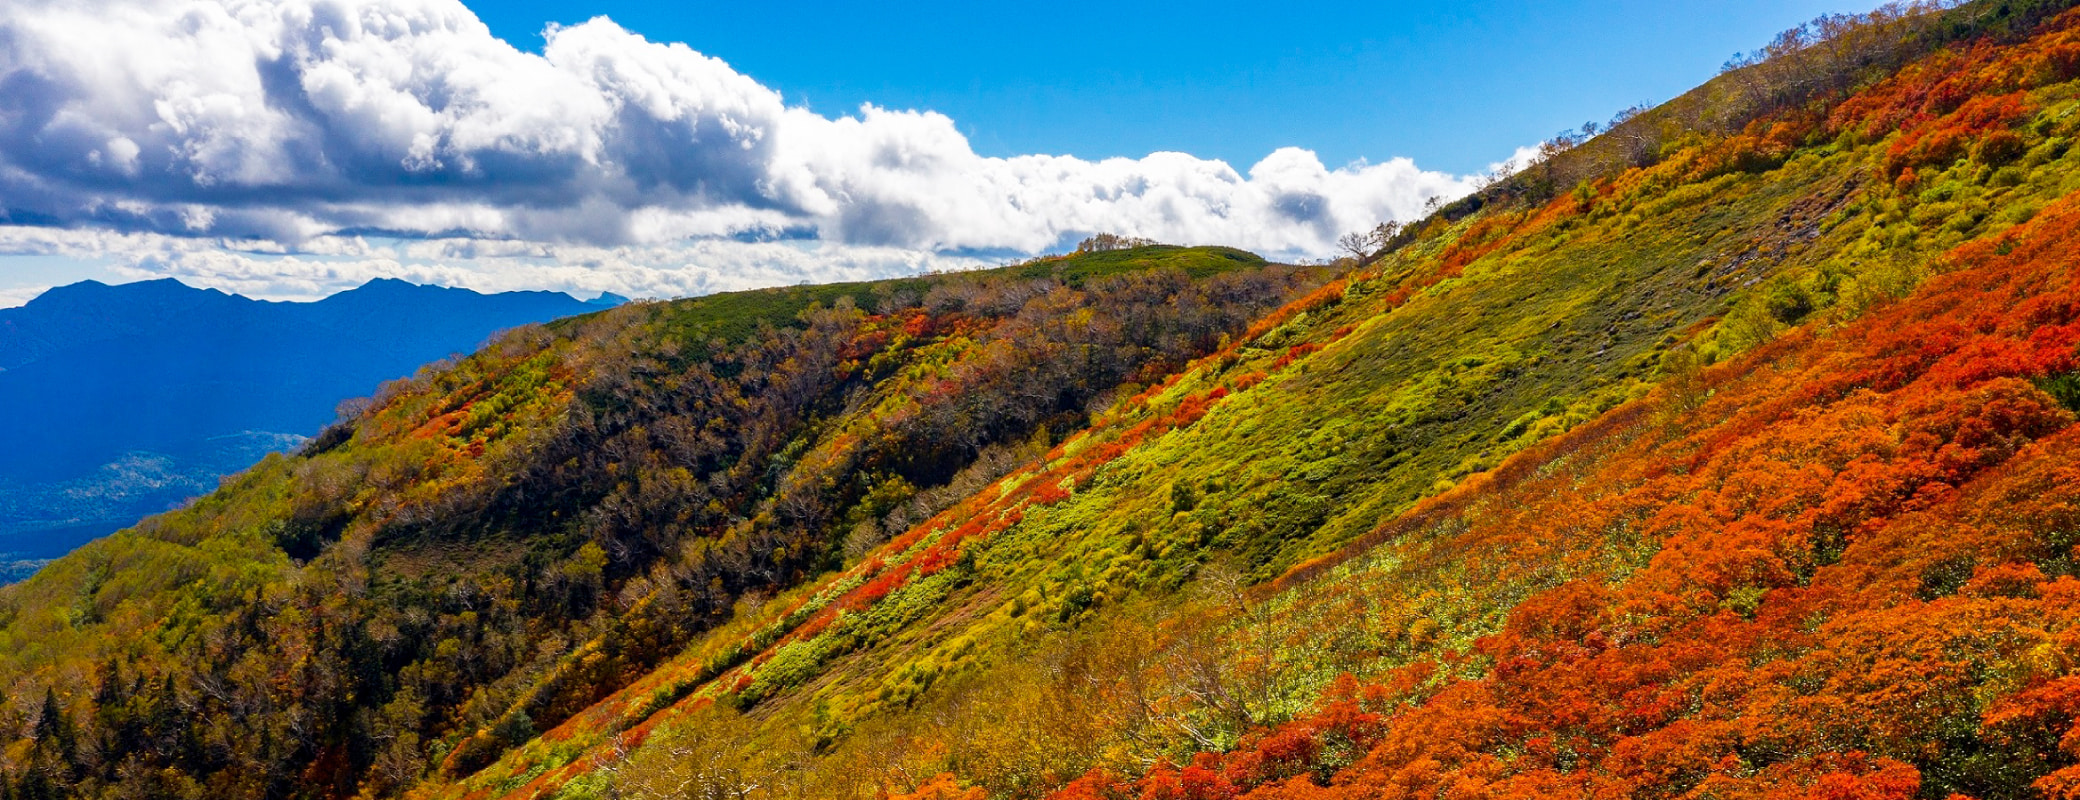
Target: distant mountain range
120,401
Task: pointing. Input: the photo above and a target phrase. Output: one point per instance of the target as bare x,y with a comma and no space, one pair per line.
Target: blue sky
296,148
1454,86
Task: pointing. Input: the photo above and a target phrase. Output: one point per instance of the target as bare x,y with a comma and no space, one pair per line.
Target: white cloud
290,125
10,298
325,265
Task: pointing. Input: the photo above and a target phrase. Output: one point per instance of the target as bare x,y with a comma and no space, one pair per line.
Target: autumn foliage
1738,462
1862,583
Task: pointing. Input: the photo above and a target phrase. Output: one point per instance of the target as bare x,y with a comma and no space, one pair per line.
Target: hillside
1742,467
117,402
512,537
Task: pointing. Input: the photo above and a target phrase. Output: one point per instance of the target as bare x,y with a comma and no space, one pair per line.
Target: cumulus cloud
294,126
10,298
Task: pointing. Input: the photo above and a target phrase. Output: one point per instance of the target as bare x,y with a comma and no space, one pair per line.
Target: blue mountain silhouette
120,401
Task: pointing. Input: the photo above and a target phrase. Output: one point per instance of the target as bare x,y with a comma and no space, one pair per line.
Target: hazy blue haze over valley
120,401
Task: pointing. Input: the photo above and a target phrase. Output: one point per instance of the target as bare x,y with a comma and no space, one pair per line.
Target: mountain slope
1742,467
1842,563
509,538
830,681
121,401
